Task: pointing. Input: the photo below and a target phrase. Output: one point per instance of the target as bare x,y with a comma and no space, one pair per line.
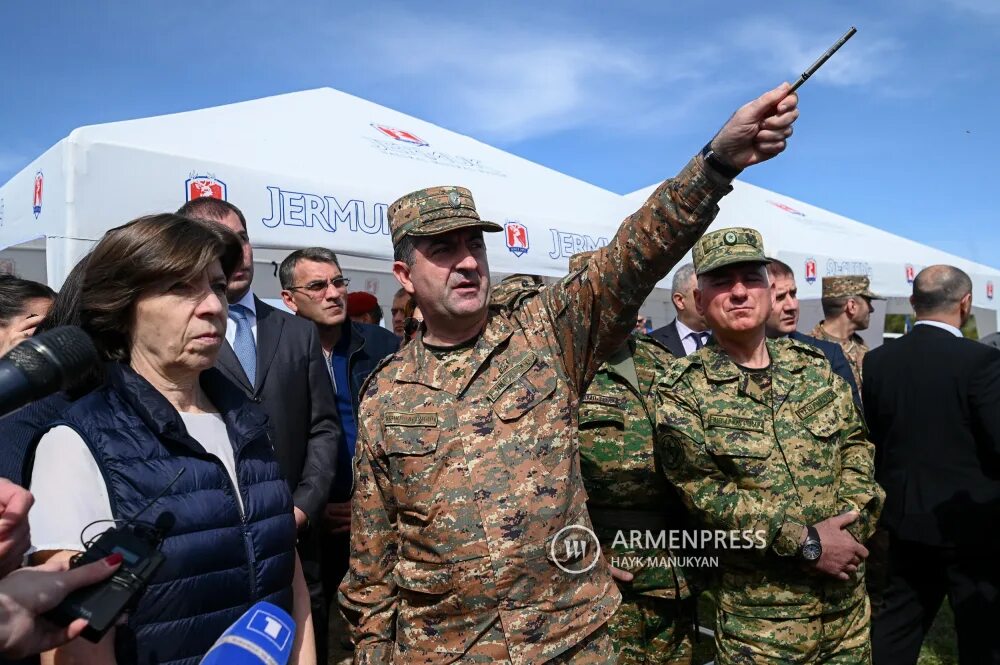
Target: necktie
243,344
698,342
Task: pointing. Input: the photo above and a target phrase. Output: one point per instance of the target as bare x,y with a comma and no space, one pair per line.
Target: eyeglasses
318,287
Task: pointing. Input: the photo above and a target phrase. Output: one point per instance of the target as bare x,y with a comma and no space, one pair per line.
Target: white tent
320,167
817,243
312,168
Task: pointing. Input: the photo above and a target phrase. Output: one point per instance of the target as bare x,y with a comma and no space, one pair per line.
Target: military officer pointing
761,436
847,308
467,470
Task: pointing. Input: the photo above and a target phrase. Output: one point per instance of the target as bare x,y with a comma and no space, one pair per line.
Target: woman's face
178,328
22,326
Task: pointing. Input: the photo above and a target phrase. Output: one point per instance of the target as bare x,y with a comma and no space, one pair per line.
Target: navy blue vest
218,563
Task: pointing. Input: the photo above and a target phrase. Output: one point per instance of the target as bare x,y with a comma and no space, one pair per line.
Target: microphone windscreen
54,359
262,636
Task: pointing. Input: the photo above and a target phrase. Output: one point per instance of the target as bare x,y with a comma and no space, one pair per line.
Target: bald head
942,291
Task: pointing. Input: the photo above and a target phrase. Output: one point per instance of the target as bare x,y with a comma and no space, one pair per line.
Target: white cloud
780,46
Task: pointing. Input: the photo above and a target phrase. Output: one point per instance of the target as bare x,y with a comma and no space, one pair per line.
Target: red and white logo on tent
36,205
989,290
910,273
400,134
204,186
786,208
516,235
810,270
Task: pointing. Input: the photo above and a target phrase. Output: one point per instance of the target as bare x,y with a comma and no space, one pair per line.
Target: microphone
44,364
262,636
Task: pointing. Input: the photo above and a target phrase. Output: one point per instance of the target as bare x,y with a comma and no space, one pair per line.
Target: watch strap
717,164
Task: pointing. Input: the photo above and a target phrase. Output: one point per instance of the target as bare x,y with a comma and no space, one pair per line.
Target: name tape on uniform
515,372
735,422
809,408
415,419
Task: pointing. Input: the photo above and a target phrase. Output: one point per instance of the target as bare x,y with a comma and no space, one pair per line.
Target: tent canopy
320,167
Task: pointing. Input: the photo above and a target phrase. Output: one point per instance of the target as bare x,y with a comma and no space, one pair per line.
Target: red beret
360,302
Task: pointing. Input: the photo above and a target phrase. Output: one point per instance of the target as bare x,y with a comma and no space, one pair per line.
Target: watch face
811,551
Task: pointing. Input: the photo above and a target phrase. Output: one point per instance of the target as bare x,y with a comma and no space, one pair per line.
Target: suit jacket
932,401
293,387
838,361
669,337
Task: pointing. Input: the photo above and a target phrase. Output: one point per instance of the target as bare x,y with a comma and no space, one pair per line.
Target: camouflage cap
579,260
428,212
726,247
848,285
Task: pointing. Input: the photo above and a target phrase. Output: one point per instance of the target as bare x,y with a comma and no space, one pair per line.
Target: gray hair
286,271
682,277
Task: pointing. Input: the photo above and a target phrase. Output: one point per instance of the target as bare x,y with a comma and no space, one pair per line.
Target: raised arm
594,309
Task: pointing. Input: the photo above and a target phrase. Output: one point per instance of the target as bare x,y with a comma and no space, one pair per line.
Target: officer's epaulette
803,348
677,367
652,341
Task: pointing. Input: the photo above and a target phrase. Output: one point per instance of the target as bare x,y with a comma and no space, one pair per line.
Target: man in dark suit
688,332
277,360
314,287
784,321
932,402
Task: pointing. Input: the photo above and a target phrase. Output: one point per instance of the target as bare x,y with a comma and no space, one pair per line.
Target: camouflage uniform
854,347
626,489
769,451
514,290
747,460
467,468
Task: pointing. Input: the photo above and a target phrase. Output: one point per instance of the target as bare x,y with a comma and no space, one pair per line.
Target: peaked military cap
848,285
726,247
428,212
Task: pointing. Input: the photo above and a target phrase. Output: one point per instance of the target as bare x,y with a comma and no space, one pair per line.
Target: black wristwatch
812,548
713,160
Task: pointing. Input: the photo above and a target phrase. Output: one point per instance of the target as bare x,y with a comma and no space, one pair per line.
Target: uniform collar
420,365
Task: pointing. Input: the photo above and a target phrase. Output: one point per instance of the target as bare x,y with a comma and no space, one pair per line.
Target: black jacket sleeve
320,464
984,403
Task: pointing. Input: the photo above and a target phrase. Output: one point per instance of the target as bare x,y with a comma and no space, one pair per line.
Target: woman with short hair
153,298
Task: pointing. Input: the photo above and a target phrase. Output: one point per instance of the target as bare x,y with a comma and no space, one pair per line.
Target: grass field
939,647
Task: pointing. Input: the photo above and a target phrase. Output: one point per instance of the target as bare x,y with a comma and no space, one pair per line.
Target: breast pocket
531,420
413,462
742,454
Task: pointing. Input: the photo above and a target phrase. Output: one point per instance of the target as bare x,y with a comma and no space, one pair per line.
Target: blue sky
898,130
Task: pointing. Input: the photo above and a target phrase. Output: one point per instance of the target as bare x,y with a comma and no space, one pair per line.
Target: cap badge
729,238
455,199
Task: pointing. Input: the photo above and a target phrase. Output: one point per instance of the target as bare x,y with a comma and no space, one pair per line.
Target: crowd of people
437,484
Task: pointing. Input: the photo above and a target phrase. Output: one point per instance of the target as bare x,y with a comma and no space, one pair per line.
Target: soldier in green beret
469,508
847,308
763,440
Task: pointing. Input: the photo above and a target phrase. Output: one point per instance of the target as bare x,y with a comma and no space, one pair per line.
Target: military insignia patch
815,404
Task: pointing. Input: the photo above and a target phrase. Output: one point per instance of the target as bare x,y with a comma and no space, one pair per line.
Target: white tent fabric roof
320,167
799,233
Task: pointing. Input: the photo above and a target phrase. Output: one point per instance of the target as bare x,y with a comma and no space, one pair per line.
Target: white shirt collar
248,301
942,325
683,331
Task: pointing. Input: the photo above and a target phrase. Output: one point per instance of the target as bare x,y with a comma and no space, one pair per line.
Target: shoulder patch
803,347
